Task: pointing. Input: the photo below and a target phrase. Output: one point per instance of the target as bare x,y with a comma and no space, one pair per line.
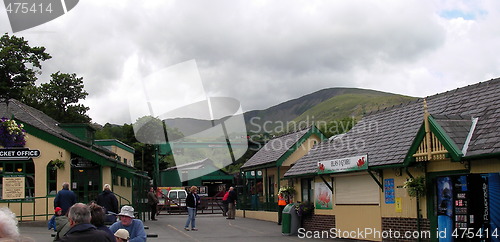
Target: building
448,144
54,153
267,167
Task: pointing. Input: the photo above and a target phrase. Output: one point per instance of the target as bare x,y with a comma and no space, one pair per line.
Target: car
177,198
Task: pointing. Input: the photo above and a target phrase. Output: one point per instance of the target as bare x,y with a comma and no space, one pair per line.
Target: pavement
211,227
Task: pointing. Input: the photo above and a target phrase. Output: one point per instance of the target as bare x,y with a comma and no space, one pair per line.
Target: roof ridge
292,132
470,86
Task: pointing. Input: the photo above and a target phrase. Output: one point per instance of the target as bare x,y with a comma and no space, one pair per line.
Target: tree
19,65
59,98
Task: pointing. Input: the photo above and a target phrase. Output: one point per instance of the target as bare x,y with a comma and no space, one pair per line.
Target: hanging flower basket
415,186
58,164
11,133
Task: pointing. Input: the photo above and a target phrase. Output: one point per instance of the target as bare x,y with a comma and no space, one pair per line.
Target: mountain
322,106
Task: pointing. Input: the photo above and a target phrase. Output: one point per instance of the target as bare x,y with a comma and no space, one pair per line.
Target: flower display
415,186
11,133
304,209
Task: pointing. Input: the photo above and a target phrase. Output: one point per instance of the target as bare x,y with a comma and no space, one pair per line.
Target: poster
389,191
13,187
398,205
323,198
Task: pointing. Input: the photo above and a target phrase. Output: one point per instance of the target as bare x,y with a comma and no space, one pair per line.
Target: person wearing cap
52,221
122,235
135,227
81,229
108,201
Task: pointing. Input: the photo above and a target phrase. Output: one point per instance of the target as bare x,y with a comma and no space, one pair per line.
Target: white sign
13,188
343,165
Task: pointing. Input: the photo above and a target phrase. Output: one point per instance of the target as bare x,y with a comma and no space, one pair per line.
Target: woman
192,200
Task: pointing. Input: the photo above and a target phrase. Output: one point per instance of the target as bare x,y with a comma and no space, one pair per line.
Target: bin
290,222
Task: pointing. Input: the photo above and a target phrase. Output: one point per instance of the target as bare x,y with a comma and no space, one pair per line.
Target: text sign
13,187
18,154
343,165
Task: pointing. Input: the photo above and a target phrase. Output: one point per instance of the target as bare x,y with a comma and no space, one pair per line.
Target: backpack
225,196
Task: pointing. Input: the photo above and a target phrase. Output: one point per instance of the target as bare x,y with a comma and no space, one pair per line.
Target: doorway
86,183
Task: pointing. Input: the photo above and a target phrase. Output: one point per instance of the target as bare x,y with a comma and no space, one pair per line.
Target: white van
177,197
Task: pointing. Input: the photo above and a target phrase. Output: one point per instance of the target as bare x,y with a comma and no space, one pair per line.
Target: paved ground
211,228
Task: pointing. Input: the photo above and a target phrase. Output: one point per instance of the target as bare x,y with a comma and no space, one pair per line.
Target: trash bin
290,222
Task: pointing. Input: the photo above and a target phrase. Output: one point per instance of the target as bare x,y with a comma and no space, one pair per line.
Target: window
307,191
125,160
129,182
25,169
356,190
114,179
122,181
51,180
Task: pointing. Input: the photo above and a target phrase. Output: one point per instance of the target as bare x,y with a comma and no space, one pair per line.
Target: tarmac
211,227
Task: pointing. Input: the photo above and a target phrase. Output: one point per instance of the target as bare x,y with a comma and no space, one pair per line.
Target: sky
263,53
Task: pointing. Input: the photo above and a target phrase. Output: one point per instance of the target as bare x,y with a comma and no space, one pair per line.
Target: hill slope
324,105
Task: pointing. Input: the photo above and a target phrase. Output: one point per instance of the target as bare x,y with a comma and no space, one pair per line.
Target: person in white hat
122,235
134,226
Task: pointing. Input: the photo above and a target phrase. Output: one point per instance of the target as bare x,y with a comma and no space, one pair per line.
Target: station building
54,153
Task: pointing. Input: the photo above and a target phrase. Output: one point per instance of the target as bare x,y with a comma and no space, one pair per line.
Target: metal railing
20,205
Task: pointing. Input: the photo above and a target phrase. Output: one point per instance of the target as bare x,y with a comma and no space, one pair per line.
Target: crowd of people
73,221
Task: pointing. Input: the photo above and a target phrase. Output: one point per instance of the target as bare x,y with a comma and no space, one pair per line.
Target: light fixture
1,169
80,170
19,169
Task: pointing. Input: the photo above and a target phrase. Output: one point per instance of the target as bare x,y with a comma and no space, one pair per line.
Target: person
231,203
281,204
81,229
52,221
98,217
153,202
135,227
62,226
8,224
108,201
192,201
122,235
224,204
65,198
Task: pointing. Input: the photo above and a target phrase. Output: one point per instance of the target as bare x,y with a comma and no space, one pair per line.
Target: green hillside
351,105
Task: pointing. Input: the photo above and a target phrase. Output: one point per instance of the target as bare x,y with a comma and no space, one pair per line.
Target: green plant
304,209
415,186
58,164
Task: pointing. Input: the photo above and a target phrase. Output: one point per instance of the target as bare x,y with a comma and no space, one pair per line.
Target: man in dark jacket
153,203
107,200
231,202
81,229
65,198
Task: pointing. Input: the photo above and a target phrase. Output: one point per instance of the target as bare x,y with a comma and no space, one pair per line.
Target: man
231,202
107,199
281,204
65,198
153,202
81,229
135,227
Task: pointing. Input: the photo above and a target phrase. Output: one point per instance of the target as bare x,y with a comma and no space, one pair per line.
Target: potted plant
415,186
287,193
58,164
11,133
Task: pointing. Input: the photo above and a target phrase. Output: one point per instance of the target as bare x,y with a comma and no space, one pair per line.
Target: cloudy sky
266,52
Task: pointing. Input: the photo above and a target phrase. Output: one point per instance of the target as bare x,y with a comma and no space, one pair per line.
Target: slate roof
456,127
275,148
41,121
386,135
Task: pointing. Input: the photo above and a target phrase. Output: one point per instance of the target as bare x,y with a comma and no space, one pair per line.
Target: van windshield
182,195
172,195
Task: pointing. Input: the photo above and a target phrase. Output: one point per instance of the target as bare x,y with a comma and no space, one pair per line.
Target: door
86,183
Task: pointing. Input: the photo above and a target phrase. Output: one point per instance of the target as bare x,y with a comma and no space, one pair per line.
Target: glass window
51,180
19,168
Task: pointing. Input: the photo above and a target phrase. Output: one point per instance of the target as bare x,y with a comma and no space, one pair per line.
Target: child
122,235
52,221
